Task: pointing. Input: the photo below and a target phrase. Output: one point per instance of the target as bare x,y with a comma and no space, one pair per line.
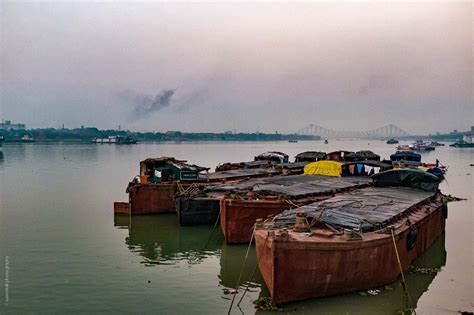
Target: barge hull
197,211
152,198
238,217
295,269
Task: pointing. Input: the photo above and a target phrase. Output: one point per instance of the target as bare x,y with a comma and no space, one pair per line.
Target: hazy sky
244,66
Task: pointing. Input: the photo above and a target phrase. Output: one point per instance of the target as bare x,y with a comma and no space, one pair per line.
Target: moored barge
240,209
201,205
160,179
322,180
353,241
154,189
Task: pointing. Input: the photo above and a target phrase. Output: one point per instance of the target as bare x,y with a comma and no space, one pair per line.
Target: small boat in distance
419,145
466,142
292,141
27,138
404,147
392,141
116,140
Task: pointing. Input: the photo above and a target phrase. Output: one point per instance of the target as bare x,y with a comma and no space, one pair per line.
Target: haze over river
62,250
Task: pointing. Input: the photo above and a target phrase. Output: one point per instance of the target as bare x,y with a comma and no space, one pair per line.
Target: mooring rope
255,269
242,268
212,232
405,288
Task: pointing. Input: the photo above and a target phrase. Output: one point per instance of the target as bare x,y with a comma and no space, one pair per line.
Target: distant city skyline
238,66
9,125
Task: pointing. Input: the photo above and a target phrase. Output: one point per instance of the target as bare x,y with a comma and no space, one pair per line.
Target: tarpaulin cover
327,168
295,186
406,177
310,156
238,173
368,208
361,156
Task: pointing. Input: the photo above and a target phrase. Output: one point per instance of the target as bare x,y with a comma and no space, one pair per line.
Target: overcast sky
244,66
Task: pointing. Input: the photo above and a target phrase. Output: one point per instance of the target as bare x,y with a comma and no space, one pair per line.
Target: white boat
27,138
116,140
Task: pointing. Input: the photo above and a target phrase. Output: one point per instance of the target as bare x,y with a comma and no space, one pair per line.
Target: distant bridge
389,131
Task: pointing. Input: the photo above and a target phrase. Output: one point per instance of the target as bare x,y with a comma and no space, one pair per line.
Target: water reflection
160,240
121,221
15,151
232,258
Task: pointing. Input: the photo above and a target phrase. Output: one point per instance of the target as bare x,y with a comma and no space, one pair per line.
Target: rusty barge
240,209
160,179
322,180
354,241
239,205
201,205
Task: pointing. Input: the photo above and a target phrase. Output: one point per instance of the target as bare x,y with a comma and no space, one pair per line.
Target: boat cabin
406,157
364,155
274,156
168,169
310,156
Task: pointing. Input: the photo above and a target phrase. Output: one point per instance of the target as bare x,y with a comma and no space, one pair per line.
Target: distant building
7,125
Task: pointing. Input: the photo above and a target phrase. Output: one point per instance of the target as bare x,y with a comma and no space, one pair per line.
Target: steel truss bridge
389,131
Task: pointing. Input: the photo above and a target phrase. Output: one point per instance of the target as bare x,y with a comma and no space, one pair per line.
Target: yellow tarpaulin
327,168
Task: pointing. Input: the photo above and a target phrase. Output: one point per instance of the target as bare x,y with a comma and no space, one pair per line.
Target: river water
63,251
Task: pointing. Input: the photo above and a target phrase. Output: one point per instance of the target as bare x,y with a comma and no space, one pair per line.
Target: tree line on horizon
86,134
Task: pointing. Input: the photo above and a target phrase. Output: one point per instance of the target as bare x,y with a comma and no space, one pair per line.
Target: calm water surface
62,250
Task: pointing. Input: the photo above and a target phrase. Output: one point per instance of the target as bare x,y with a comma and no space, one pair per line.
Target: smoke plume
145,105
